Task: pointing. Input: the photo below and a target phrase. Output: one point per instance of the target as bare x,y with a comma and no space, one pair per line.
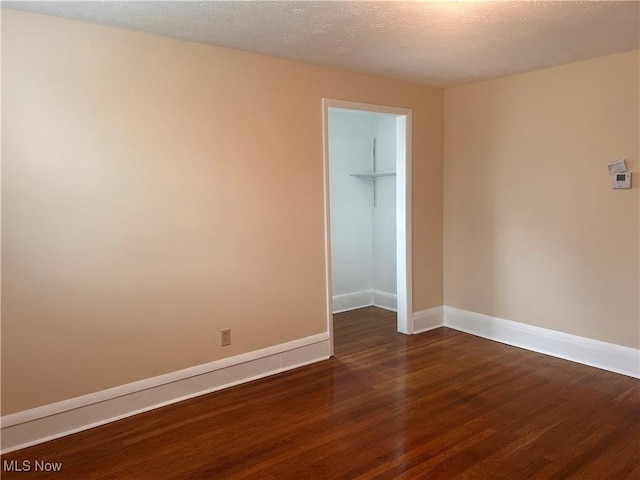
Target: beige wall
156,191
533,231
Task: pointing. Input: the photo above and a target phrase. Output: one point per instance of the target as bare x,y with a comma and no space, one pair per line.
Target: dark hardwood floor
439,405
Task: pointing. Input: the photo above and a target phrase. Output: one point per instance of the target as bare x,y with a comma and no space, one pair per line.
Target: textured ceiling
435,43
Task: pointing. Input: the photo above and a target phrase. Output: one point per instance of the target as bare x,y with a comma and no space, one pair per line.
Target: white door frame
403,208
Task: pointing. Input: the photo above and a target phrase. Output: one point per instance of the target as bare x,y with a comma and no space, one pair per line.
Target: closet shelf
373,174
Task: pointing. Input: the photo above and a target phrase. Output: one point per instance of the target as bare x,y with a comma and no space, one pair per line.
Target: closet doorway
367,180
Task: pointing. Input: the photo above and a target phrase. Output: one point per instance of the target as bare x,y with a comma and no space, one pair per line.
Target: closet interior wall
363,218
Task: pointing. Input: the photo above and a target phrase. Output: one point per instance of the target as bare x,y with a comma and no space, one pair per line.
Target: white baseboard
595,353
426,320
388,301
364,298
351,301
38,425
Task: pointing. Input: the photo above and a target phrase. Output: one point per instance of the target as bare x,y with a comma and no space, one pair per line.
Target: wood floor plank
439,405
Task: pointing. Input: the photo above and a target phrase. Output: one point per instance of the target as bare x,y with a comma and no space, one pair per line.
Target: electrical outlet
225,337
